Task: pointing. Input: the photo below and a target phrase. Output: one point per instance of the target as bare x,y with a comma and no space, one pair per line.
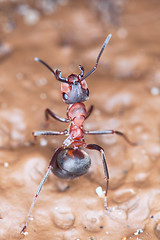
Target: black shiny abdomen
71,163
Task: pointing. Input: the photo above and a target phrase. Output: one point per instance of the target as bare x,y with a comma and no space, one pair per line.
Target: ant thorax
76,113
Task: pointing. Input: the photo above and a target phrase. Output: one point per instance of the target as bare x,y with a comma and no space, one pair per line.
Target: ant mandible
70,160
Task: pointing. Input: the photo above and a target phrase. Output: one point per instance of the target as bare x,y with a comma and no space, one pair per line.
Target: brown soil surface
125,92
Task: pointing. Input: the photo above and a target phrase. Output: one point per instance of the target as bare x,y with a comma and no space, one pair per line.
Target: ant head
74,90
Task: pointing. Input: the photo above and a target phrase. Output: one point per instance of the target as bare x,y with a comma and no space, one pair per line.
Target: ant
70,160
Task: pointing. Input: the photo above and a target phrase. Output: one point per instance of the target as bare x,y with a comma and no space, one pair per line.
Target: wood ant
70,160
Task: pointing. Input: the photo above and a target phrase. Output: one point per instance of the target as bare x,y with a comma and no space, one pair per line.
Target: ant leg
40,187
112,132
44,133
89,111
35,198
40,133
100,149
48,113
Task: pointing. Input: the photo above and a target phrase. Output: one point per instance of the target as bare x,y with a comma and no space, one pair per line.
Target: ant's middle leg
111,132
48,113
45,133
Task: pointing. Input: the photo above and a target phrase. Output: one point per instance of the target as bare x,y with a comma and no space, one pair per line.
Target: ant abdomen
71,163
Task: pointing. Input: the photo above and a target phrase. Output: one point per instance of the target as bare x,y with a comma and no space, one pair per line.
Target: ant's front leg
100,149
111,132
48,113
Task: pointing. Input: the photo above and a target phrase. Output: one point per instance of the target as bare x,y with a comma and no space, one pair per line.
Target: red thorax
76,113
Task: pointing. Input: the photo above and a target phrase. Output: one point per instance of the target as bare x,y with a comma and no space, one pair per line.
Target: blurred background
125,92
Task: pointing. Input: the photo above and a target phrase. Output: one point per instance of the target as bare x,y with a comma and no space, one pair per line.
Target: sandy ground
125,92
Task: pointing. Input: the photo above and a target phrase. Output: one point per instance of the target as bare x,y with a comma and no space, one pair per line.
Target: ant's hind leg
100,149
40,187
35,198
48,113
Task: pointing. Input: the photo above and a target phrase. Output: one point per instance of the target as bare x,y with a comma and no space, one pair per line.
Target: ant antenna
99,55
57,74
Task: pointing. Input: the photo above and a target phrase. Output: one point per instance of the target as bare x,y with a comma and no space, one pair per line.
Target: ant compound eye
87,92
65,96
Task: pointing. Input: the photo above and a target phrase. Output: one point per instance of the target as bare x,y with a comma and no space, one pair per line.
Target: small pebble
99,192
155,91
6,165
43,142
138,231
31,16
